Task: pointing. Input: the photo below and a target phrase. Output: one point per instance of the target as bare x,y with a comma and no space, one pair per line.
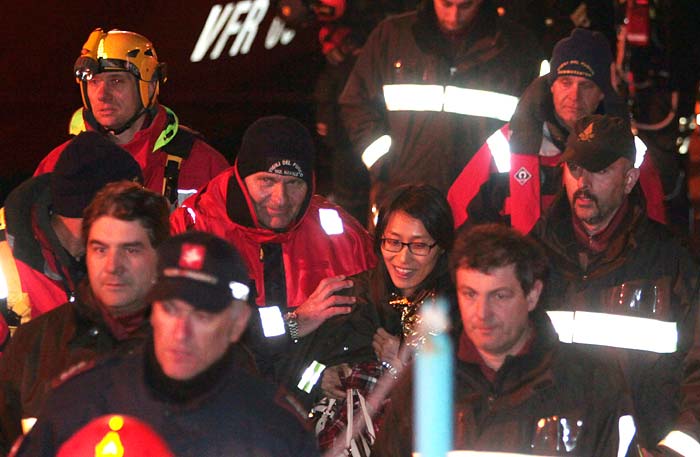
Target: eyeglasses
392,245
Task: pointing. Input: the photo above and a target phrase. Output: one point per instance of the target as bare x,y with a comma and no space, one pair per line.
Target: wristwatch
292,324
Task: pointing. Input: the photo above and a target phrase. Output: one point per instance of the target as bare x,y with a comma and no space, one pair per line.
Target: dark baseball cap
202,269
599,140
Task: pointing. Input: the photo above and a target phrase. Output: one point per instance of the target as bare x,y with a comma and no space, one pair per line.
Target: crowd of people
161,302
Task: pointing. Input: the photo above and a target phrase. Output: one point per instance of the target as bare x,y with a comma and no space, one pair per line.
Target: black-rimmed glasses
417,248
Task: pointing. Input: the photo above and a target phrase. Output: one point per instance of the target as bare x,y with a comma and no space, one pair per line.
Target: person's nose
279,195
181,329
115,261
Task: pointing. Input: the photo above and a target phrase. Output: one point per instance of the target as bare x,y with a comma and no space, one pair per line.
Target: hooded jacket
515,175
550,383
417,85
286,267
642,273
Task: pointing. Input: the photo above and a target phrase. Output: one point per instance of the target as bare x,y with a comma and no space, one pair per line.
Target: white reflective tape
544,67
500,150
272,321
413,97
615,330
330,221
27,424
192,213
239,291
376,150
640,151
311,376
473,102
627,431
681,443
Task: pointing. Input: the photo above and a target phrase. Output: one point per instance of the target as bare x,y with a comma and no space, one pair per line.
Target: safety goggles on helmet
119,50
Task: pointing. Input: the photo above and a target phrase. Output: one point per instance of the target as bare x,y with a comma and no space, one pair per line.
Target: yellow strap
3,226
17,299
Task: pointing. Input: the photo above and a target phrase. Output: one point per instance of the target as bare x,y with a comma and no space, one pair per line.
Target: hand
331,384
386,346
323,304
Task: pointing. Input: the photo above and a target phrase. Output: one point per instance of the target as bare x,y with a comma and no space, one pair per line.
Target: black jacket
549,383
220,413
644,272
432,146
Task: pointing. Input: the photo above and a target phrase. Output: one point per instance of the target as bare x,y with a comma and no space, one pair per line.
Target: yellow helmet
119,50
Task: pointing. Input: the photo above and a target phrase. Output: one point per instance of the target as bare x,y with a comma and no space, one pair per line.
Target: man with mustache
622,286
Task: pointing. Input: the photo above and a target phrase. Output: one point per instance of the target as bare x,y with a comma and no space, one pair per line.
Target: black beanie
89,162
277,144
583,53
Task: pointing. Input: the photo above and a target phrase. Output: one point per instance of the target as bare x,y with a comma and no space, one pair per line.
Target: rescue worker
185,382
515,174
42,251
299,248
120,77
622,285
516,388
430,86
123,226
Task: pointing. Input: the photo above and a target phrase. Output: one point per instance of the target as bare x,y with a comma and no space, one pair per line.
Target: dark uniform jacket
551,387
643,273
70,336
432,143
222,412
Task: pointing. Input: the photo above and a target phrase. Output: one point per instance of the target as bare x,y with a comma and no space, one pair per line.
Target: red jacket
309,253
525,202
203,163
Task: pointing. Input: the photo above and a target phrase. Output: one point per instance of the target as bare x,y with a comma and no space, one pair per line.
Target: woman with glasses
413,236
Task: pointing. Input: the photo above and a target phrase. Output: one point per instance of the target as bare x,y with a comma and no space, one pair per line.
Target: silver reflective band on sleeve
450,99
27,424
413,97
272,321
544,67
681,443
376,150
640,151
239,291
627,431
473,102
330,221
184,194
615,330
310,377
500,150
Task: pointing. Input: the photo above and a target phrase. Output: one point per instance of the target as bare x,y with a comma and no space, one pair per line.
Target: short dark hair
423,202
129,201
490,246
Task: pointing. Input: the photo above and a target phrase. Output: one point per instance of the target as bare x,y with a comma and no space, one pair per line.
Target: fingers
331,285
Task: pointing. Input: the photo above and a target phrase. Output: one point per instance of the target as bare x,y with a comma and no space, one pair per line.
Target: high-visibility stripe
544,67
500,150
681,443
239,291
451,99
376,150
184,194
311,376
473,102
27,424
272,321
615,330
413,97
627,431
330,221
640,151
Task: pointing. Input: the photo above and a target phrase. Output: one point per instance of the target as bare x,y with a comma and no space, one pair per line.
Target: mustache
584,193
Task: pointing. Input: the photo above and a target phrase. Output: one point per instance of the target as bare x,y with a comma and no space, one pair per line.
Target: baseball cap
597,141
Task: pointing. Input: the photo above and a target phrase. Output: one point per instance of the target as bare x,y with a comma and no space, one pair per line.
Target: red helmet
115,436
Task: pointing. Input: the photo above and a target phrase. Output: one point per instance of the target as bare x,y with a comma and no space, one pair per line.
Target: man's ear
241,313
631,177
534,295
